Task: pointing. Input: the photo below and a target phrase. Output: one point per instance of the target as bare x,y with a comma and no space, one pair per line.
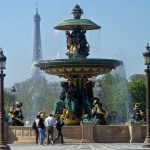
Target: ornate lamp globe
2,60
146,55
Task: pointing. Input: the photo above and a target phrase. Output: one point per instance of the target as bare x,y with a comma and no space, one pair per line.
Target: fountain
76,98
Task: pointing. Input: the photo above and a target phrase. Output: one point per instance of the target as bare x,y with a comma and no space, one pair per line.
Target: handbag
34,125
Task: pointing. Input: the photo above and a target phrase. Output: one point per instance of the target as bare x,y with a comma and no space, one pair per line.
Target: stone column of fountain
76,98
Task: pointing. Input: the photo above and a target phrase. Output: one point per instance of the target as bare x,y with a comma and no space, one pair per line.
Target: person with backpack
59,124
35,127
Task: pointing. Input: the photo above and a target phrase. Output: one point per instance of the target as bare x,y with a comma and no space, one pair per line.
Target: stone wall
17,134
86,133
111,134
143,132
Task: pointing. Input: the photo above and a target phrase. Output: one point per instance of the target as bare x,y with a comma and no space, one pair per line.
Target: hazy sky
124,33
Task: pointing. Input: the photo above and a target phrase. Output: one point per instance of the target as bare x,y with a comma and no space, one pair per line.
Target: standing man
49,123
41,129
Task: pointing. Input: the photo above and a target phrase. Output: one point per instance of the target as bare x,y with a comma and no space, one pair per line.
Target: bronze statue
16,115
87,96
59,105
71,105
77,44
98,113
137,115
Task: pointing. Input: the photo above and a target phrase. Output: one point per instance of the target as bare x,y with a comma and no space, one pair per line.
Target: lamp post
146,55
3,145
13,90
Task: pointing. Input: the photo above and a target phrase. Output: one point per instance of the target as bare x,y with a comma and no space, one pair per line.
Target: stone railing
18,134
132,133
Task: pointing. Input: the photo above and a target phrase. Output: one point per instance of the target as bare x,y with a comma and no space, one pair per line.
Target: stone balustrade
83,134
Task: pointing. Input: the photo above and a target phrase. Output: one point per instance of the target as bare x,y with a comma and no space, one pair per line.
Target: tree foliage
137,89
37,95
137,77
8,100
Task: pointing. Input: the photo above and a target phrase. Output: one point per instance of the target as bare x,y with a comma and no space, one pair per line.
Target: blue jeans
41,135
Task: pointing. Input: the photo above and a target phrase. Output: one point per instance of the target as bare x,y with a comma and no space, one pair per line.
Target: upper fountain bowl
83,24
77,22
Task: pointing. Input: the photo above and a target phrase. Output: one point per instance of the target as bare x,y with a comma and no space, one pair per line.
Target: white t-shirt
37,121
50,121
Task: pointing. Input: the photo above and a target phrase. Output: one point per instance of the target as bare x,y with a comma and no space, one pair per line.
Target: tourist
59,124
41,129
49,123
35,127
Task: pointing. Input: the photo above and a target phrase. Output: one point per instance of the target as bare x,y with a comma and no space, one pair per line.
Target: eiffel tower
37,49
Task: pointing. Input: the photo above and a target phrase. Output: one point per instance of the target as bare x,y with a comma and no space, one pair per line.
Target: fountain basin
84,24
78,68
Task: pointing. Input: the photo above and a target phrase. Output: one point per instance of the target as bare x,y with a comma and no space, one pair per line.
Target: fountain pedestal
87,133
135,132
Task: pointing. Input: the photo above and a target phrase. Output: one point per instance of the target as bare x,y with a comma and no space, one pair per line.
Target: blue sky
124,33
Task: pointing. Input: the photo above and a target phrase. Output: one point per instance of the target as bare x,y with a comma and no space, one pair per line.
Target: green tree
36,95
137,89
137,77
8,100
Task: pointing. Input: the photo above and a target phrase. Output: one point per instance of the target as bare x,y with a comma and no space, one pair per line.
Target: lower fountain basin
78,68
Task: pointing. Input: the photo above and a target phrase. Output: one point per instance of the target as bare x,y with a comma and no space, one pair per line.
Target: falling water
120,74
114,95
37,95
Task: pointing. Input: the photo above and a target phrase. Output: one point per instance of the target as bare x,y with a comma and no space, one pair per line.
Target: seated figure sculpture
98,113
137,115
87,119
16,115
68,104
11,116
72,106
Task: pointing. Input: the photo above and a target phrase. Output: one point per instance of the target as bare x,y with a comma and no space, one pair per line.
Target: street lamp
146,55
13,90
3,145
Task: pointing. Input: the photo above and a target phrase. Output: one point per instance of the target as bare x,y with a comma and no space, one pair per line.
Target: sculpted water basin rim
70,67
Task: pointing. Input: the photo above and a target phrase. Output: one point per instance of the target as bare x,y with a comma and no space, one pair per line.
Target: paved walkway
89,146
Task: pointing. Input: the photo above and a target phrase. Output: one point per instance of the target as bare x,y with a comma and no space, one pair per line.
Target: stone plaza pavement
88,146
